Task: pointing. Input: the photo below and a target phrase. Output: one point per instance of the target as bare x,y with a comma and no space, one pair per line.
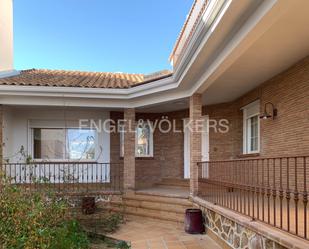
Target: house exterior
238,95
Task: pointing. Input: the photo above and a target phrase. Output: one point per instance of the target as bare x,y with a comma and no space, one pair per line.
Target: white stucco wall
6,35
17,122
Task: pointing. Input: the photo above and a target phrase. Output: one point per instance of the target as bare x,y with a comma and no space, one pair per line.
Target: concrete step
156,198
160,206
174,182
152,206
150,213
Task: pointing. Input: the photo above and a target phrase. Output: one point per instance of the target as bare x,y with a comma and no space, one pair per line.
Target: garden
33,220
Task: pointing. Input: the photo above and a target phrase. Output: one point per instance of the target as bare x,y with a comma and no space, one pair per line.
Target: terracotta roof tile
62,78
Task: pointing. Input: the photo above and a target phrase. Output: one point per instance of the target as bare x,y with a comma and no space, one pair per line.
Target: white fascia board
62,101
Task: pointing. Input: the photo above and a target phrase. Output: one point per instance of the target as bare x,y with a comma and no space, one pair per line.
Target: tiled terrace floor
145,233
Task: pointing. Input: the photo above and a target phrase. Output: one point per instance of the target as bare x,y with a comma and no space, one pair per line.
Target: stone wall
233,234
236,235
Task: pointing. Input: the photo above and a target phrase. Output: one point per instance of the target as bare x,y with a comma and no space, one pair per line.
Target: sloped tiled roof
62,78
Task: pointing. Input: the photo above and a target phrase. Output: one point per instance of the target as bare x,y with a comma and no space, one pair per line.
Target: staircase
174,182
167,200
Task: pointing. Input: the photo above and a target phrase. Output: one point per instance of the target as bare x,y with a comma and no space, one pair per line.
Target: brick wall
225,145
287,135
167,160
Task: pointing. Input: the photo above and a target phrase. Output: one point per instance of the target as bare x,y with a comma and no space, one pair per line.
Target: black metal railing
271,190
64,177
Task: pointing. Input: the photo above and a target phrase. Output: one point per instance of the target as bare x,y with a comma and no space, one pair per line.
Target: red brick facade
287,135
167,160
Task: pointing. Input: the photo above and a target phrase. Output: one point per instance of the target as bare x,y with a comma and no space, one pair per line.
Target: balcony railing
271,190
71,177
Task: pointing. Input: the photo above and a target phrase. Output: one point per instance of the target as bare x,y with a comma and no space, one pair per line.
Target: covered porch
79,149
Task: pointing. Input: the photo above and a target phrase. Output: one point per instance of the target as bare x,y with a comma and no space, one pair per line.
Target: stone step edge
162,185
145,192
164,179
180,202
165,196
112,208
150,216
172,183
129,217
154,209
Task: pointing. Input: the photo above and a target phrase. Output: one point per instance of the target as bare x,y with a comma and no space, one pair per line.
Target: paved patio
146,233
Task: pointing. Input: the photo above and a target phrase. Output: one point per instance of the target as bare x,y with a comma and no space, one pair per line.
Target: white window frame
55,124
249,111
121,138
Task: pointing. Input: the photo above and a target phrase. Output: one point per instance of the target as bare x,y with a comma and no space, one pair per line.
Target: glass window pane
80,144
254,133
49,143
121,135
143,140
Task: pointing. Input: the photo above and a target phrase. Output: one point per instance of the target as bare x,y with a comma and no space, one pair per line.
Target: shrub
36,220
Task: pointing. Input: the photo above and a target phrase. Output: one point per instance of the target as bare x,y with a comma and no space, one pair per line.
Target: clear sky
134,36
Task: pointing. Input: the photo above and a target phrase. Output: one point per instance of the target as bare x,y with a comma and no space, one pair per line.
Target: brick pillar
129,149
195,140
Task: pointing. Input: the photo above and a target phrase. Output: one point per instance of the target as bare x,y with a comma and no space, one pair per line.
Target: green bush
36,220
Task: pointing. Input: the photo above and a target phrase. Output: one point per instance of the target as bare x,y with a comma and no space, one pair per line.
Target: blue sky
134,36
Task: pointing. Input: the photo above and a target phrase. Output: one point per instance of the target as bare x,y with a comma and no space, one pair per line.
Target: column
129,149
195,140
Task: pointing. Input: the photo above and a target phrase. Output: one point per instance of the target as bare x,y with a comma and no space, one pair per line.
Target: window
251,128
60,143
143,140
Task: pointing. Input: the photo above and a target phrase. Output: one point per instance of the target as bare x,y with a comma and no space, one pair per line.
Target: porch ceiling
282,45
